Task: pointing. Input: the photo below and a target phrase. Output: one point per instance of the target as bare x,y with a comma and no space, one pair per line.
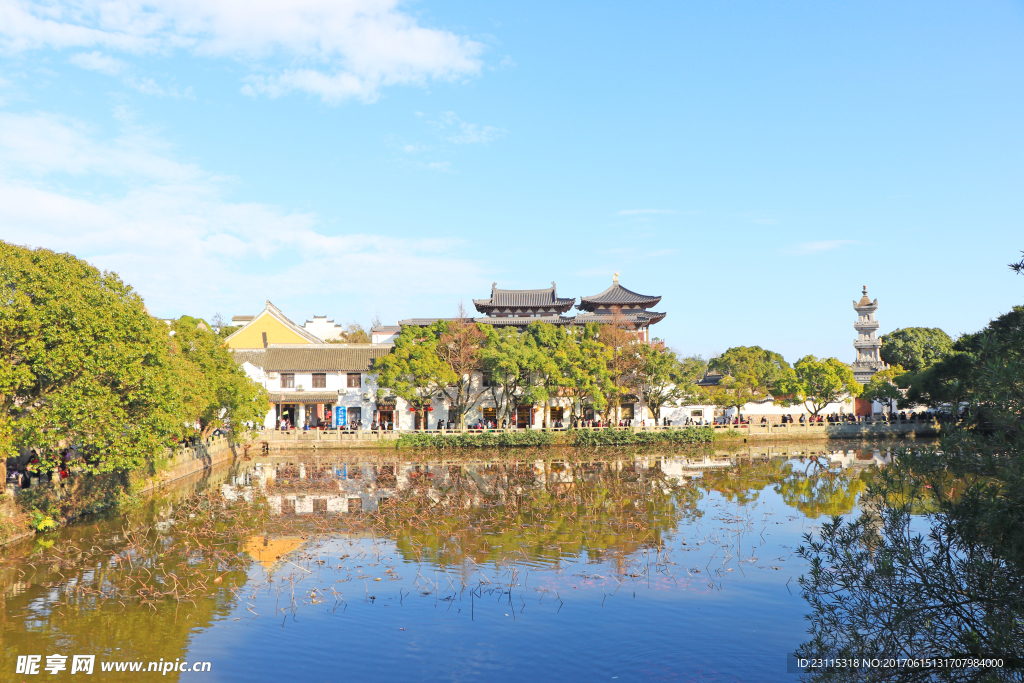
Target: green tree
817,382
749,373
459,343
585,360
623,362
879,585
82,364
505,364
546,343
915,348
660,377
690,370
1018,267
884,386
413,370
439,360
954,379
217,392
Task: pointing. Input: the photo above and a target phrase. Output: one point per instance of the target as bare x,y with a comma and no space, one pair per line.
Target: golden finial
616,278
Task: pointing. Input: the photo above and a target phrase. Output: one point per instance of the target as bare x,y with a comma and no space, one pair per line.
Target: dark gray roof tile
324,357
617,294
524,298
254,356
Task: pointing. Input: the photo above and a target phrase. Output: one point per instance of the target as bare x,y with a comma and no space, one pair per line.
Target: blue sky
753,163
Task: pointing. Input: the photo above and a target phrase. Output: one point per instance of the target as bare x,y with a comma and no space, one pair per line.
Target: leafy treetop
915,348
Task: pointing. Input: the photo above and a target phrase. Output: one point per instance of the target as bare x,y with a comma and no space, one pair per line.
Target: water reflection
279,539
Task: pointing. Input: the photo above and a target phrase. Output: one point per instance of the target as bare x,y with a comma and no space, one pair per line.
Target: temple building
868,345
523,303
624,305
520,307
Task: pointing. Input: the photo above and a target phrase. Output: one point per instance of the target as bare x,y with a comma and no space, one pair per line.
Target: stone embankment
186,461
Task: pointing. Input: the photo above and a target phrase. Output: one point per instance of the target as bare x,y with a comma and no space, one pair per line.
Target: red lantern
430,409
412,409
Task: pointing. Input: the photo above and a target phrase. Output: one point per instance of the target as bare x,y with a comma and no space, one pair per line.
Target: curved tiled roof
617,295
524,298
496,322
636,318
865,302
523,321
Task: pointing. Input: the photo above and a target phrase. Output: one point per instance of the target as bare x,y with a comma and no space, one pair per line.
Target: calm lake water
527,565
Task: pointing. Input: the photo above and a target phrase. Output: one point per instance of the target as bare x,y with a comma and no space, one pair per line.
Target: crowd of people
20,474
831,418
284,424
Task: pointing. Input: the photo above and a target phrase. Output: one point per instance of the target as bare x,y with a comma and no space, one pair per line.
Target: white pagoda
867,343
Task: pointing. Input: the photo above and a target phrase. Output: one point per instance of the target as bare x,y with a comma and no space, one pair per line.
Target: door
524,416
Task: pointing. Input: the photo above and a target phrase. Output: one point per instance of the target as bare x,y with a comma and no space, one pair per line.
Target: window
355,380
287,380
319,380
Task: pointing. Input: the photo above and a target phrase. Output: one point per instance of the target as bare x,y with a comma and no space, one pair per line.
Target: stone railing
327,437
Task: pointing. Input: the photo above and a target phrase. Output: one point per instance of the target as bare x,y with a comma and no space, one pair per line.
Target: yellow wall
251,336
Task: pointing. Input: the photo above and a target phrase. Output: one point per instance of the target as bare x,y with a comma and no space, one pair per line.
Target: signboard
340,418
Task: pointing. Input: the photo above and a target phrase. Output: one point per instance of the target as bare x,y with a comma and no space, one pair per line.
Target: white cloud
97,61
455,130
806,248
169,230
335,49
636,212
441,166
112,66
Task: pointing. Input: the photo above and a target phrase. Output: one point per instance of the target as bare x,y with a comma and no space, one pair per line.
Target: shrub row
627,437
477,440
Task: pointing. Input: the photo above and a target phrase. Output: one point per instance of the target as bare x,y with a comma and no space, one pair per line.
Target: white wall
678,414
323,328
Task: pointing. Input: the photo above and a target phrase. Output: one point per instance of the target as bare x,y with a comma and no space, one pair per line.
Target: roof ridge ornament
615,278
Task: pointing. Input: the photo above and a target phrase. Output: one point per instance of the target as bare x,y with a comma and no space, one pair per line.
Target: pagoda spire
867,343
